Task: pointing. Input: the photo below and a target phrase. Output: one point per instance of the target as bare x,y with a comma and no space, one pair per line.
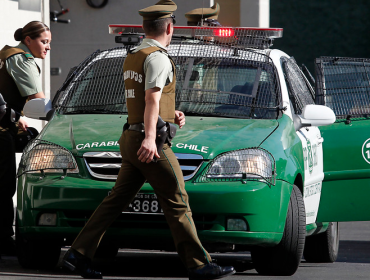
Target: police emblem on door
366,150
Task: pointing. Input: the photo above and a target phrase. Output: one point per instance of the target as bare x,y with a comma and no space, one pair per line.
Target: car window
225,87
343,84
98,87
299,93
232,86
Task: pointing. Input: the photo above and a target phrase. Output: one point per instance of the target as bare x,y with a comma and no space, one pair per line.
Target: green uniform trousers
165,176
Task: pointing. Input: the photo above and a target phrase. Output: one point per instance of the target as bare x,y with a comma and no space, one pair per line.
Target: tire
36,254
323,247
284,259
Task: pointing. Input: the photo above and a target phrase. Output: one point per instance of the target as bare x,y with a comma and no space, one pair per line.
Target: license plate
144,204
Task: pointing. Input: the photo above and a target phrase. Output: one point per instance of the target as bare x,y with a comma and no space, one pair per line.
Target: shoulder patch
28,55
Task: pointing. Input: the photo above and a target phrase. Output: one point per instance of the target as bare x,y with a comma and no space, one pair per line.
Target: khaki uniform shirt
25,72
156,76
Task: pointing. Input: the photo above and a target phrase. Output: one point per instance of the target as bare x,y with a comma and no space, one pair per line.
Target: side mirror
316,115
39,109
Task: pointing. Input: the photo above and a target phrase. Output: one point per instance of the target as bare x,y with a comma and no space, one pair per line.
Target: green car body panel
346,186
262,205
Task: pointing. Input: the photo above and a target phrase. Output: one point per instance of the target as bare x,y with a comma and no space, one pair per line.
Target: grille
105,165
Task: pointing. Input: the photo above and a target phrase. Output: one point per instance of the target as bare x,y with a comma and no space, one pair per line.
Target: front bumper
263,207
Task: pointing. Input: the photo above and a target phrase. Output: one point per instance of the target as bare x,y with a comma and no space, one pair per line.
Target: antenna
202,14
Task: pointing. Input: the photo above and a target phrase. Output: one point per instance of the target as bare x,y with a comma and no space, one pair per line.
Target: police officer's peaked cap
163,9
196,15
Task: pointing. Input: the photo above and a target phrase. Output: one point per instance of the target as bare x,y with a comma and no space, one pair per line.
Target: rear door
343,84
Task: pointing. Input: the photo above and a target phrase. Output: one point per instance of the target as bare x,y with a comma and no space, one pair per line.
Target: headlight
40,155
253,163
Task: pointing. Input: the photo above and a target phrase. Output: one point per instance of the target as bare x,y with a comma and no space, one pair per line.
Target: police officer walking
150,92
19,80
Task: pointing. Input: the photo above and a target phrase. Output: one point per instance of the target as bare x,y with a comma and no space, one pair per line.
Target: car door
301,94
343,84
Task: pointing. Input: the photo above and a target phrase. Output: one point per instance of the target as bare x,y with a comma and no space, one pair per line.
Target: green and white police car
260,174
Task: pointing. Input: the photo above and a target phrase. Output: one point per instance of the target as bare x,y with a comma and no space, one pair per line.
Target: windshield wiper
192,114
221,115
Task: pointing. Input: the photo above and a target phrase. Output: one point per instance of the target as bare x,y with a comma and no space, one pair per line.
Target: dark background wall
314,28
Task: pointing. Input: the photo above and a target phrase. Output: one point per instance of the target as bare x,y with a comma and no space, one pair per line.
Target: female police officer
20,81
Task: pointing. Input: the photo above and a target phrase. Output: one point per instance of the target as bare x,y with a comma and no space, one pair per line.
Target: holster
165,133
7,115
22,138
125,126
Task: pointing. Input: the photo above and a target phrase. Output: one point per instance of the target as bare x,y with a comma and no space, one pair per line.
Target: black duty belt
137,127
165,132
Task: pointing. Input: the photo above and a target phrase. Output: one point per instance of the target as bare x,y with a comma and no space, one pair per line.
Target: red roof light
224,32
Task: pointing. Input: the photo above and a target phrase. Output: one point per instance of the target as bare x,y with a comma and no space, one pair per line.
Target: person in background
20,80
204,16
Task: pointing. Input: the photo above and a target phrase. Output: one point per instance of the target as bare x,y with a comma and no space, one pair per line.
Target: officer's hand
148,150
22,124
179,118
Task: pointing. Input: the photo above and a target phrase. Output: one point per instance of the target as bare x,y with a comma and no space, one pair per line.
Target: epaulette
28,55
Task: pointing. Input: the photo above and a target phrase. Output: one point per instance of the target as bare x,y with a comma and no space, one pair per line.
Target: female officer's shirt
24,72
19,77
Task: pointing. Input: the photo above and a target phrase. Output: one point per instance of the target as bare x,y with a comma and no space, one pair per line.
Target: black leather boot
210,271
77,262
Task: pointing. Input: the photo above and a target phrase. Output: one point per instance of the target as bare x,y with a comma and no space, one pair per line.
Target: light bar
224,32
191,31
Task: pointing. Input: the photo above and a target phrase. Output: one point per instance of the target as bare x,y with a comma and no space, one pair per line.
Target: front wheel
284,259
323,247
36,254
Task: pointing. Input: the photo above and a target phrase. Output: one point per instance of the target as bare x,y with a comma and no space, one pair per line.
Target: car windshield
236,85
227,88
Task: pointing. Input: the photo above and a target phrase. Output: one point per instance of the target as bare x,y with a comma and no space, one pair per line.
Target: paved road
353,263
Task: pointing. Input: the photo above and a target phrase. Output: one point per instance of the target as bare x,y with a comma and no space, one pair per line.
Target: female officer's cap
196,15
163,9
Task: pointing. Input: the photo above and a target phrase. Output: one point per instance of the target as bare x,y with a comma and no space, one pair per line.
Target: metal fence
44,156
343,84
300,92
254,164
215,76
96,85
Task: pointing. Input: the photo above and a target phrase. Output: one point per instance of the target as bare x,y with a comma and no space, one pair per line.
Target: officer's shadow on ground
161,264
130,263
168,264
136,263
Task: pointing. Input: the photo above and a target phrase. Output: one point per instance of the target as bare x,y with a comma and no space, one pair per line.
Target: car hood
207,136
85,133
210,136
